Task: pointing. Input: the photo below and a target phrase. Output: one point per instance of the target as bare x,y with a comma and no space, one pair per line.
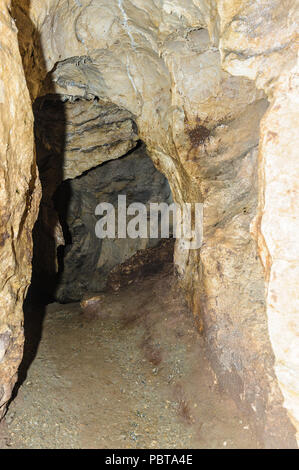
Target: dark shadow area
48,234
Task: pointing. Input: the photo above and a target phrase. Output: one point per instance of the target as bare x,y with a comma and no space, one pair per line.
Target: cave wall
198,76
276,230
19,199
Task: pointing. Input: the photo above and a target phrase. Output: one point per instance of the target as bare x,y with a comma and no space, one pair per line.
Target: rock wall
19,199
260,41
197,74
277,231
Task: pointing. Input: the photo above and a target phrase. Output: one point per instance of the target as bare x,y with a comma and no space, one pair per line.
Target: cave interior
141,341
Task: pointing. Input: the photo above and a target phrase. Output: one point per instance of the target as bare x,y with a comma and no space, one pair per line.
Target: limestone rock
91,304
19,198
277,232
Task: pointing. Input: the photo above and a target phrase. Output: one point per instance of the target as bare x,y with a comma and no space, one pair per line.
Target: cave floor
131,374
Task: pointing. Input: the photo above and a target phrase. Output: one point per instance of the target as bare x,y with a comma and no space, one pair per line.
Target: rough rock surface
192,71
88,259
278,232
19,198
76,136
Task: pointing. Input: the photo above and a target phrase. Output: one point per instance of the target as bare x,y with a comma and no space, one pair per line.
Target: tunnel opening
89,153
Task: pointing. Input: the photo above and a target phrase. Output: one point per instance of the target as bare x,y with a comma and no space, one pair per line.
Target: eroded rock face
192,73
75,136
277,232
88,259
19,198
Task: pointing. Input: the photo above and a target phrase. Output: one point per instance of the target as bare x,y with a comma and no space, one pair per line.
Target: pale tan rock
90,301
19,198
258,39
278,232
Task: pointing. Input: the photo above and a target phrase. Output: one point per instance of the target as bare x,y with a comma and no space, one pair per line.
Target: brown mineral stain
198,134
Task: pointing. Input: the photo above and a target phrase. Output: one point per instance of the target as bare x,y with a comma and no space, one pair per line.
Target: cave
141,338
88,153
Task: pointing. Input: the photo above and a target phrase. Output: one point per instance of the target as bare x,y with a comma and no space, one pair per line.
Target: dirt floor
129,371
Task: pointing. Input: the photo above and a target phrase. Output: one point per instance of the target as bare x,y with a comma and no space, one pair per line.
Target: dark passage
88,152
